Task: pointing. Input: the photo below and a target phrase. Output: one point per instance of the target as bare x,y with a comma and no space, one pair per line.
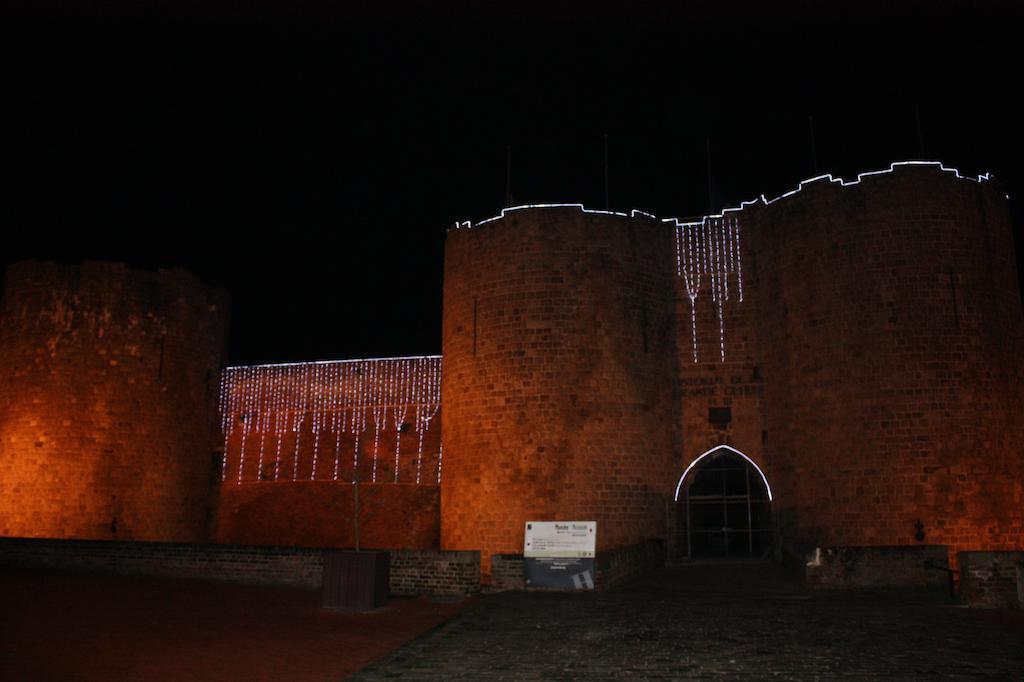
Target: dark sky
309,157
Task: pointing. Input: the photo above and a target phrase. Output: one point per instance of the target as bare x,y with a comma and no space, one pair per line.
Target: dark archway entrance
724,505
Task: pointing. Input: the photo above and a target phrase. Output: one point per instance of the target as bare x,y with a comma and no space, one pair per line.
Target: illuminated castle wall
861,343
560,365
890,337
108,394
865,340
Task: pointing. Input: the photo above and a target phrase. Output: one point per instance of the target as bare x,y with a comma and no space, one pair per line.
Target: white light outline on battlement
331,362
723,446
468,224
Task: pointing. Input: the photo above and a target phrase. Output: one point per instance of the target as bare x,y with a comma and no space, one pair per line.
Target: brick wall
434,572
872,369
412,572
890,333
294,566
507,572
108,388
319,514
708,383
558,392
992,579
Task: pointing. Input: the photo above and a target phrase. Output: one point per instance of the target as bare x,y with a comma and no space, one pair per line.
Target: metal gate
727,510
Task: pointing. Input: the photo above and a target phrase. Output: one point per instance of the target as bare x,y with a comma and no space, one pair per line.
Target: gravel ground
714,621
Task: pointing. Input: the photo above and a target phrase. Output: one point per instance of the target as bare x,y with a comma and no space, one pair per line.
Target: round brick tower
108,388
892,340
558,378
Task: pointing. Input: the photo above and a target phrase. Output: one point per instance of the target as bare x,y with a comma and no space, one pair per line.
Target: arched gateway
724,504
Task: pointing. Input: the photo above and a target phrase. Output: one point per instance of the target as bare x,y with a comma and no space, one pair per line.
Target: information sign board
560,554
560,539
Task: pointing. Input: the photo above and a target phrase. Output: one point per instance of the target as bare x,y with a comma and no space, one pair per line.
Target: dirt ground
70,626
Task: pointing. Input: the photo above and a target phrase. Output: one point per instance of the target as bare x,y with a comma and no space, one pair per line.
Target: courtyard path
714,621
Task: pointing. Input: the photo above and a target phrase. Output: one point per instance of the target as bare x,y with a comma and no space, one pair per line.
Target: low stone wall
412,571
846,568
507,572
435,572
613,566
992,580
252,565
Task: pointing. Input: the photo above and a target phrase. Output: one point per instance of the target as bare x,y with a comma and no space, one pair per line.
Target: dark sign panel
571,573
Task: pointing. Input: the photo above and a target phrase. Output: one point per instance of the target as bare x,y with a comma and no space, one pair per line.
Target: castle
841,366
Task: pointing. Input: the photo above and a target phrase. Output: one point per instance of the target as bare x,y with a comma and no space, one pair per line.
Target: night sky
309,157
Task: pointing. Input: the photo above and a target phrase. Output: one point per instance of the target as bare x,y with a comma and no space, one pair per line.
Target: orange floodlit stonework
108,393
858,346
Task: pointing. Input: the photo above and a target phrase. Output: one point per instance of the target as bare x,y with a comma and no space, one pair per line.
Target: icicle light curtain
708,252
267,410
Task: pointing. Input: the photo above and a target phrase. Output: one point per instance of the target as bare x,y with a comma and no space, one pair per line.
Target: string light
401,398
440,455
337,420
430,402
712,451
317,412
417,392
325,397
709,248
379,413
739,257
246,420
299,415
359,412
281,418
225,415
691,275
722,284
263,414
716,239
337,395
762,199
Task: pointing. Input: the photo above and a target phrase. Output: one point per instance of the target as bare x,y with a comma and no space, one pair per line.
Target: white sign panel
560,539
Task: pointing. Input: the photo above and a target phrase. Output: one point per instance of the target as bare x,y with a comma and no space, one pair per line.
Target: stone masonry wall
992,579
435,572
558,390
319,514
710,387
507,572
108,389
891,338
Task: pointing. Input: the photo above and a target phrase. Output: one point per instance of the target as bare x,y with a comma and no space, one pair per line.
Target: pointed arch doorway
723,500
